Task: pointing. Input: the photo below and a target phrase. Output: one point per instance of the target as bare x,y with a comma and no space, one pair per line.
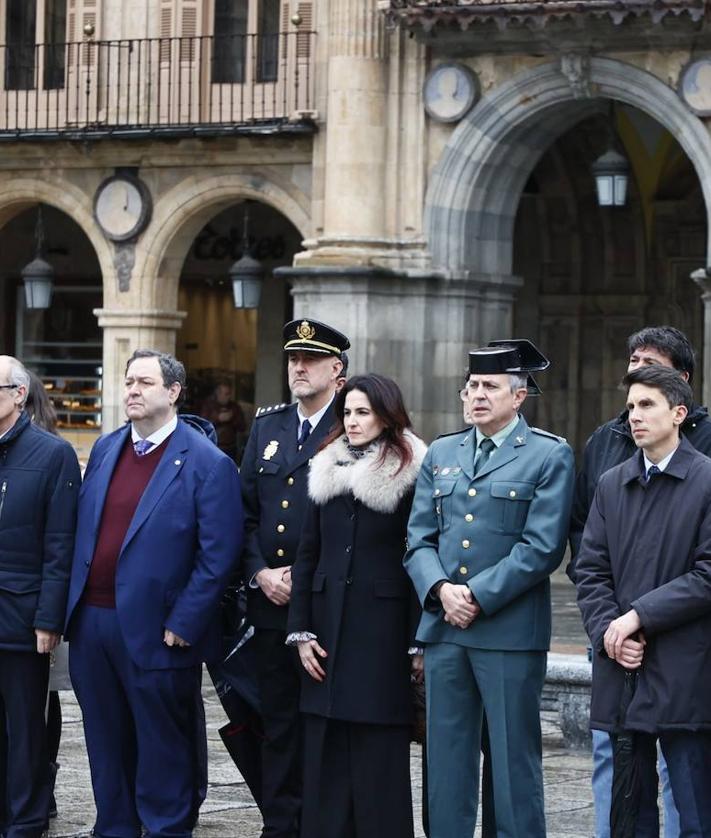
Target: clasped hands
460,607
275,583
619,644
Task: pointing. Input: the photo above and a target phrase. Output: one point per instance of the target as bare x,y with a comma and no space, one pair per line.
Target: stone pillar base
126,330
416,329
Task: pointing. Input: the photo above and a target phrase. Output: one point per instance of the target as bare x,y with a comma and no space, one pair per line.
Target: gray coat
647,546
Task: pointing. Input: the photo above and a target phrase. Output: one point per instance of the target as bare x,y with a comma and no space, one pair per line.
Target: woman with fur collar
353,614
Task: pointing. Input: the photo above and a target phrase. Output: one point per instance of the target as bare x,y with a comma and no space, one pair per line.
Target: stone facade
418,238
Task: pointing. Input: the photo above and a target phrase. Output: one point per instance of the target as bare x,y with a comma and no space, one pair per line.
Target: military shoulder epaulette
454,433
541,432
267,411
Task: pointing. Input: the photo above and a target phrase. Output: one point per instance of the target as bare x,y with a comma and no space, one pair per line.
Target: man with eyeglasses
39,487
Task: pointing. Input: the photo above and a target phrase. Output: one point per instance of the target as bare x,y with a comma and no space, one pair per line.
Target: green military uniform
502,532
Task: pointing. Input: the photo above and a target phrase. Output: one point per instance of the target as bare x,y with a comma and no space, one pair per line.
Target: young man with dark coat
610,445
39,487
644,589
274,473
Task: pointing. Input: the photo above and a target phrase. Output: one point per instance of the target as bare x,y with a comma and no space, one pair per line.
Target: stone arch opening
62,344
513,200
475,189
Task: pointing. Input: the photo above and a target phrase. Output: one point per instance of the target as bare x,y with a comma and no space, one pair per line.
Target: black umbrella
236,687
626,760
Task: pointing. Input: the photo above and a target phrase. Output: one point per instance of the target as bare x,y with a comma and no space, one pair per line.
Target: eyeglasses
9,386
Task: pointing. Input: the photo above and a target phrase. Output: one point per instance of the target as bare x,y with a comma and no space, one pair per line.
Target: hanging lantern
38,275
246,274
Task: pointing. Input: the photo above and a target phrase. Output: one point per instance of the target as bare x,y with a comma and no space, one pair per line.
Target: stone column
703,280
126,330
355,121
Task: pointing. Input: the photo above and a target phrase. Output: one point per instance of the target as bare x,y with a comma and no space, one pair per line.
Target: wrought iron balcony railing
194,85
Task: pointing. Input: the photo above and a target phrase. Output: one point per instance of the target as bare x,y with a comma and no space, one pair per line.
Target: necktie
304,432
651,471
142,446
486,448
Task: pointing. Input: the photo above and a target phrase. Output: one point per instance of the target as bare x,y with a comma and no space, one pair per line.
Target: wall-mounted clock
122,207
449,92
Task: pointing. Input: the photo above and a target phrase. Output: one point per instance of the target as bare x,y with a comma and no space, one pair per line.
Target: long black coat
274,476
648,547
349,588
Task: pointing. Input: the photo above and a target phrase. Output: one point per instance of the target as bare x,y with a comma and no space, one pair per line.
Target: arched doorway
593,275
62,343
233,356
475,197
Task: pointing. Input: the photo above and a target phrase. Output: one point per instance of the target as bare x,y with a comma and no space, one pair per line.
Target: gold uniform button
463,570
465,544
472,493
280,553
281,528
290,481
469,517
285,504
512,494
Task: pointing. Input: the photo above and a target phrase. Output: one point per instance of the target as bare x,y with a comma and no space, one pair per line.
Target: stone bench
567,692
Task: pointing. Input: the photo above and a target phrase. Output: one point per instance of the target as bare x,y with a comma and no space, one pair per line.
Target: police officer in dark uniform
274,481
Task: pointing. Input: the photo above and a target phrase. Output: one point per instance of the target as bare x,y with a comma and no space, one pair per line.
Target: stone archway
475,189
182,212
19,194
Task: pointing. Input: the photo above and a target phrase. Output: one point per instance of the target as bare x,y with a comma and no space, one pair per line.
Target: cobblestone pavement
230,812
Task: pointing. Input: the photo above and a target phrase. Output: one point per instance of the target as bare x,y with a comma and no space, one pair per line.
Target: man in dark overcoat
644,588
274,475
39,488
610,445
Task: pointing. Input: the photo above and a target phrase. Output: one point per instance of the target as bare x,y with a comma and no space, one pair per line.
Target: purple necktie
142,446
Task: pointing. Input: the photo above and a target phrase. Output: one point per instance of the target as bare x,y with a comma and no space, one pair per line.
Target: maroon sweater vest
128,482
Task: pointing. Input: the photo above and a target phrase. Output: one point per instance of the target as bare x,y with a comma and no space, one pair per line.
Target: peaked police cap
312,336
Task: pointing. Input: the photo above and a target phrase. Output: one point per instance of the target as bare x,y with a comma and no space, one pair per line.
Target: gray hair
518,382
19,377
171,369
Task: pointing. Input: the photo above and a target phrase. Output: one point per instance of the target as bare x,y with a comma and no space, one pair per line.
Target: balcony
425,15
174,87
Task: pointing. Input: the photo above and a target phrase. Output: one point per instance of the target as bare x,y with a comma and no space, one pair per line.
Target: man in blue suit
159,531
488,526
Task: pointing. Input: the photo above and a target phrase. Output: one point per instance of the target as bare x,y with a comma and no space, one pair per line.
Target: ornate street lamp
38,275
247,273
611,170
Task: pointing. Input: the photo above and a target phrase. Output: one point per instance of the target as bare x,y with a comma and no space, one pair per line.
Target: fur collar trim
334,471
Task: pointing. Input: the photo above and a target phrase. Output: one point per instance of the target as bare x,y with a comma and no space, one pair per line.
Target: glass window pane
268,41
20,20
55,29
230,41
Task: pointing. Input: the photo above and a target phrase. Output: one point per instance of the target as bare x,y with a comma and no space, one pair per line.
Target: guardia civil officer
274,480
488,526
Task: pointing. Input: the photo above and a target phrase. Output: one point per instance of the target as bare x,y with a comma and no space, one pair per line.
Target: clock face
122,207
449,92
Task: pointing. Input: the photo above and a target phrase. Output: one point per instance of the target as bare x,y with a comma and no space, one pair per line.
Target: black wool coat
647,546
350,589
